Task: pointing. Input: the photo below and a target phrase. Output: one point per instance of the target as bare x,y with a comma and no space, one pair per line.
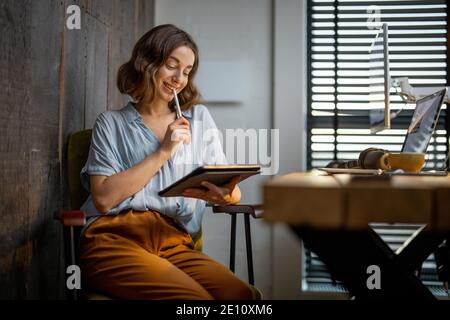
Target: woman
142,247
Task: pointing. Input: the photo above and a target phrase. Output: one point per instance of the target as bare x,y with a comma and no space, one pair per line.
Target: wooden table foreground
351,202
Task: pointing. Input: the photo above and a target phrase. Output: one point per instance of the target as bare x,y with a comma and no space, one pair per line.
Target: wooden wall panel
144,13
126,20
74,70
73,89
97,65
44,178
120,47
15,59
54,82
30,166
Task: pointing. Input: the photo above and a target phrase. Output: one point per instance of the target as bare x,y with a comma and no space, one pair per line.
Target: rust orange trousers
146,255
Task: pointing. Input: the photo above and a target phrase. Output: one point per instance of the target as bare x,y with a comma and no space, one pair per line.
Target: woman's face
174,73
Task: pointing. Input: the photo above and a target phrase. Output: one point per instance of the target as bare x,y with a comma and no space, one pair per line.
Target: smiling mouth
169,87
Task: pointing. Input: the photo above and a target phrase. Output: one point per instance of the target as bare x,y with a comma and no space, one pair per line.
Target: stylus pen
179,115
177,104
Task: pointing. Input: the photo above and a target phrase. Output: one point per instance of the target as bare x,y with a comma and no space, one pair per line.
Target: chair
247,210
73,220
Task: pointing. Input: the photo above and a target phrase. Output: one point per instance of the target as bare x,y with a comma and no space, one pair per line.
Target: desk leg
418,247
348,254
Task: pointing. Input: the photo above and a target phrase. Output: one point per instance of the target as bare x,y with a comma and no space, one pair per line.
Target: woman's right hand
178,131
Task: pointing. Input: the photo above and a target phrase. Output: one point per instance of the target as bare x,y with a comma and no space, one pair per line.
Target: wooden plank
353,202
103,11
73,91
15,61
120,47
43,167
443,208
388,205
96,35
304,199
440,187
29,152
126,21
47,94
145,20
74,81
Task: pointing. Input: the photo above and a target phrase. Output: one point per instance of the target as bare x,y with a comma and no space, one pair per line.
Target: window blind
339,37
339,86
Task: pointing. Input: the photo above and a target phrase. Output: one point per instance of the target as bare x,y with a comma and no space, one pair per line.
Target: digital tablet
218,175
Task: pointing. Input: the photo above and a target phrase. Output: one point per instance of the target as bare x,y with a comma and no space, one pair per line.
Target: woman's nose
177,76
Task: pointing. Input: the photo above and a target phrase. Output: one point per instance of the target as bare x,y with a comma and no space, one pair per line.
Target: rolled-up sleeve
102,159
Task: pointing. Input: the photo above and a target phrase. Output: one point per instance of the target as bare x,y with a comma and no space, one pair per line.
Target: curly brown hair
137,76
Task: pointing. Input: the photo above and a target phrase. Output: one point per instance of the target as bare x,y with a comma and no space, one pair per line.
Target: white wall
267,35
290,68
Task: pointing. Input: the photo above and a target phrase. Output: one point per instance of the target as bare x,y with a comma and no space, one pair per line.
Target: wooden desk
331,214
344,201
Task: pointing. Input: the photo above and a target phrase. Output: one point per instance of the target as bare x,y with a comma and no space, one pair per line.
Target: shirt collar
131,114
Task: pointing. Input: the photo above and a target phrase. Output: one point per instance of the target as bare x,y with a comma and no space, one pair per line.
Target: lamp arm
410,94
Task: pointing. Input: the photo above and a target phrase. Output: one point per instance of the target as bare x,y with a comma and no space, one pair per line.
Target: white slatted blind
338,117
339,87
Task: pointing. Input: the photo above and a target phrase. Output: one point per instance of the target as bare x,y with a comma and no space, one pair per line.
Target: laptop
418,136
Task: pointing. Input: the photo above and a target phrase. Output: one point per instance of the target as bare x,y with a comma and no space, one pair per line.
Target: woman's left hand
224,195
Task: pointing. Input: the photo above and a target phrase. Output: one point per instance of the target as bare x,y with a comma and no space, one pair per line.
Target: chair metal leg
233,242
248,242
72,246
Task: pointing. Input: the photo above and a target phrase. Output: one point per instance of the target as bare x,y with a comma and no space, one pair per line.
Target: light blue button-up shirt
121,139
